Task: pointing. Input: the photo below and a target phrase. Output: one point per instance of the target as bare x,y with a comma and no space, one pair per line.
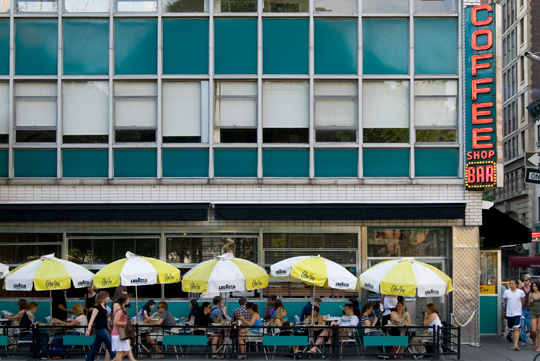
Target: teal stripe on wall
4,162
35,162
385,46
285,46
185,46
235,162
86,46
336,46
436,162
286,163
386,162
36,47
135,163
4,47
435,43
336,163
185,162
135,46
85,163
235,46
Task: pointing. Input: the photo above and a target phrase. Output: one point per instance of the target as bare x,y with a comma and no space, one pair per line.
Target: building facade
283,127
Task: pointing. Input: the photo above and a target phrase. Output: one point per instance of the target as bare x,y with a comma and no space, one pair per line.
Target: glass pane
386,46
37,6
17,255
336,46
335,88
376,163
285,104
285,163
135,113
436,135
4,109
185,36
436,43
36,47
4,45
235,46
435,87
285,135
236,112
182,109
185,162
185,6
286,6
436,162
135,46
386,6
86,46
434,6
136,5
85,108
184,250
235,6
85,163
335,135
444,108
285,46
35,162
35,113
334,163
125,88
86,6
385,104
135,163
235,162
5,7
336,6
428,242
335,112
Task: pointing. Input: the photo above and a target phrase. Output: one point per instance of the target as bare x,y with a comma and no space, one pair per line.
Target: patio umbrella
136,271
314,271
225,273
47,273
4,269
406,277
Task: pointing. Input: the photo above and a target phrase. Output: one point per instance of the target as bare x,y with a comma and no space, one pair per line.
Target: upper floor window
335,111
35,112
135,111
235,112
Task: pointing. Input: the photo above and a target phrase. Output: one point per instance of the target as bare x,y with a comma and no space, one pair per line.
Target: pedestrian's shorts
514,321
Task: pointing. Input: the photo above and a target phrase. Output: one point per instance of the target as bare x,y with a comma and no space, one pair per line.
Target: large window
35,112
135,111
37,6
286,6
18,248
236,112
4,112
335,111
408,242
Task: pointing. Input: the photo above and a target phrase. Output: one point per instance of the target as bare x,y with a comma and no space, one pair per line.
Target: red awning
524,262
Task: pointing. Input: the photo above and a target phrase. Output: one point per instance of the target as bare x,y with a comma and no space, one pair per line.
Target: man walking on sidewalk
526,311
515,299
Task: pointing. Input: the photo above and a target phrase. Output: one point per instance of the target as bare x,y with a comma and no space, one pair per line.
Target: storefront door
490,292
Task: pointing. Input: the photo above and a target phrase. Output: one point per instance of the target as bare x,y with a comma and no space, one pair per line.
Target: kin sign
483,120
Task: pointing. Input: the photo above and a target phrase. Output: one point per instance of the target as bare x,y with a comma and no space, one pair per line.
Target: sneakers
158,355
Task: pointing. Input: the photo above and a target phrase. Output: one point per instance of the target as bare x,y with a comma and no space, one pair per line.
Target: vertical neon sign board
483,121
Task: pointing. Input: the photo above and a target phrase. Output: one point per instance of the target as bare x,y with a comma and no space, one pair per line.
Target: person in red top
122,347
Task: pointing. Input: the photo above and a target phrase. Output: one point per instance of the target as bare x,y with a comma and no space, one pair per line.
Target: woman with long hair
89,301
194,307
122,347
146,311
98,320
255,322
120,290
534,303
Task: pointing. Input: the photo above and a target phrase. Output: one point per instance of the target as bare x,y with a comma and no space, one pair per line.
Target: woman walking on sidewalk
99,321
534,304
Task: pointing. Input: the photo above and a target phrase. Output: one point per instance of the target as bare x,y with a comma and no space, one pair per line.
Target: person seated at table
166,320
348,320
306,311
369,320
432,319
316,320
79,320
280,320
277,304
219,311
269,308
356,306
59,305
203,319
27,321
145,312
399,317
194,308
15,319
255,322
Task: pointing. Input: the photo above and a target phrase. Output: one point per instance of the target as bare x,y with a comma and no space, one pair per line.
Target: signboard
483,102
532,159
532,176
535,236
487,289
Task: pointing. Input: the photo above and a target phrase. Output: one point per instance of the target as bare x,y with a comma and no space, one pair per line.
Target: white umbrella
4,269
406,277
48,273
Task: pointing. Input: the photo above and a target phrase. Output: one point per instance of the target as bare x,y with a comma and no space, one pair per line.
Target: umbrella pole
136,302
313,304
50,307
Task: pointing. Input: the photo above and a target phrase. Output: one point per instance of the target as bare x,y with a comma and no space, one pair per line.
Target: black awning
339,211
499,229
104,212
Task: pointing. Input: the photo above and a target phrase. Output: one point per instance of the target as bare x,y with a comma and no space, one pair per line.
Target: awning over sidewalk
524,262
104,212
499,229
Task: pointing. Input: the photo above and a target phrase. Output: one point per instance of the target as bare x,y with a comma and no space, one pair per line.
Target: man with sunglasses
526,310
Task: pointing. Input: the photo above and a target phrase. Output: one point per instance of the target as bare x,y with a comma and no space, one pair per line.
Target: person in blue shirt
219,312
306,311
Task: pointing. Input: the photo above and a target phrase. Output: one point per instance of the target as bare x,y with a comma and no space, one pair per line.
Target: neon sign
482,99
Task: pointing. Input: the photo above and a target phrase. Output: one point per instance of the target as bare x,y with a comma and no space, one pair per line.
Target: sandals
514,348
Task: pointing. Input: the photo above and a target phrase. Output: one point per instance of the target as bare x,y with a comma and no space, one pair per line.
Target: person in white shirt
349,319
515,299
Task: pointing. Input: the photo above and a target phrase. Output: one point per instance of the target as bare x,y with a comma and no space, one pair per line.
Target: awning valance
104,212
524,262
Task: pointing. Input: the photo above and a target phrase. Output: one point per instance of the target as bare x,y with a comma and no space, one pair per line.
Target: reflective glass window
386,46
185,6
37,6
135,46
86,46
36,47
336,46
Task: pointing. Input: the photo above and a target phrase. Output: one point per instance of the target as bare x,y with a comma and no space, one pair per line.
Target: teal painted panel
185,46
385,46
285,341
185,340
4,47
135,46
436,43
386,340
386,162
436,162
285,46
286,163
336,46
336,163
73,340
85,163
235,46
235,162
185,162
135,163
36,47
34,162
86,47
4,341
4,163
488,310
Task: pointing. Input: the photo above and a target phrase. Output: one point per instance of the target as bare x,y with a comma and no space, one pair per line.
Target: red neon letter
475,35
476,138
490,174
474,16
477,113
471,174
476,90
476,66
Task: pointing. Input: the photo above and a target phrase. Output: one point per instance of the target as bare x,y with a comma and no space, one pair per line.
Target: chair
256,341
346,340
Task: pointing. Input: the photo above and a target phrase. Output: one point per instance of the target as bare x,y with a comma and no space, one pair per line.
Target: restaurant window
104,249
236,112
35,112
408,242
338,247
335,111
18,248
135,111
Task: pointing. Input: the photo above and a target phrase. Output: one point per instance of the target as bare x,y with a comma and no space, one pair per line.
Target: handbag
127,332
